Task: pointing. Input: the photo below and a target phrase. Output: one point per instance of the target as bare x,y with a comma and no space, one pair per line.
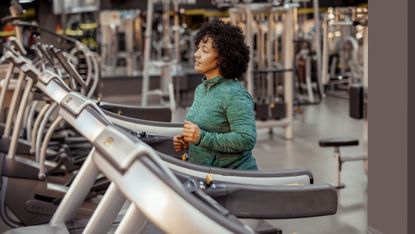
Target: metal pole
365,58
133,222
248,37
13,104
77,191
366,88
129,44
30,119
166,28
19,119
5,87
36,125
339,167
288,47
176,32
106,212
270,39
147,47
44,147
325,65
318,45
308,79
276,40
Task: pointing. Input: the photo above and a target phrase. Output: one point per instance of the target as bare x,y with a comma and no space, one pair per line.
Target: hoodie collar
213,81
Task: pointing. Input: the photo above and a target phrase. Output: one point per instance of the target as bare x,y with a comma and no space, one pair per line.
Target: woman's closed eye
204,49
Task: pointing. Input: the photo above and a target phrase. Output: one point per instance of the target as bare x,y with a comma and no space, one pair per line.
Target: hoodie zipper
203,101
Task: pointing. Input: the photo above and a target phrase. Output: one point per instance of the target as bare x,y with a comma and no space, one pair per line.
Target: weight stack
261,111
356,98
278,110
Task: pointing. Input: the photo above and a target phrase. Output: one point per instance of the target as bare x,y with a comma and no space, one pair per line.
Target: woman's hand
191,132
179,144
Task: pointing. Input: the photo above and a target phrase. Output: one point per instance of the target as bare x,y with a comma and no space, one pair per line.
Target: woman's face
206,57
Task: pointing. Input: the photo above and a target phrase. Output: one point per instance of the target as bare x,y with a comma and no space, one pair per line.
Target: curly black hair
228,40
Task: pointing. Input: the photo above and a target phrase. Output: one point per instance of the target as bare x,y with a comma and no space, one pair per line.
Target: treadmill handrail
134,160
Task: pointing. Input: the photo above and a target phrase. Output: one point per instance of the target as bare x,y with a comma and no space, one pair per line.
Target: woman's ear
217,64
217,61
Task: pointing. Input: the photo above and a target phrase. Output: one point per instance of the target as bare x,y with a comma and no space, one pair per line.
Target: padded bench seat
338,142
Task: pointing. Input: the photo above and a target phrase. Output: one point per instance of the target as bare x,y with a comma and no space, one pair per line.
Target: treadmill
138,175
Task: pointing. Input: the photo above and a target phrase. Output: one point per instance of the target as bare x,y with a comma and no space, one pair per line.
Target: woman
219,129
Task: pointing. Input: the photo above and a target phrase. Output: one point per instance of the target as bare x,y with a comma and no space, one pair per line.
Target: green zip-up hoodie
224,112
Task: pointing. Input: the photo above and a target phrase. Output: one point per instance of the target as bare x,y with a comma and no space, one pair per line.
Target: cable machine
268,79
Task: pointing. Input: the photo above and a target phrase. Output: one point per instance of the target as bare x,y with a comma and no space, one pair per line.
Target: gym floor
329,119
273,152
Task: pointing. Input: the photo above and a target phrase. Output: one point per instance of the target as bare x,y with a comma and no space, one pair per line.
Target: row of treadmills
73,164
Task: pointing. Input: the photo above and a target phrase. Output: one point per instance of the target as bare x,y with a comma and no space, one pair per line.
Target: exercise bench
338,142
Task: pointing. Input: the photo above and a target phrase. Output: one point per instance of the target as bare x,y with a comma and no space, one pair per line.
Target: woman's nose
196,54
